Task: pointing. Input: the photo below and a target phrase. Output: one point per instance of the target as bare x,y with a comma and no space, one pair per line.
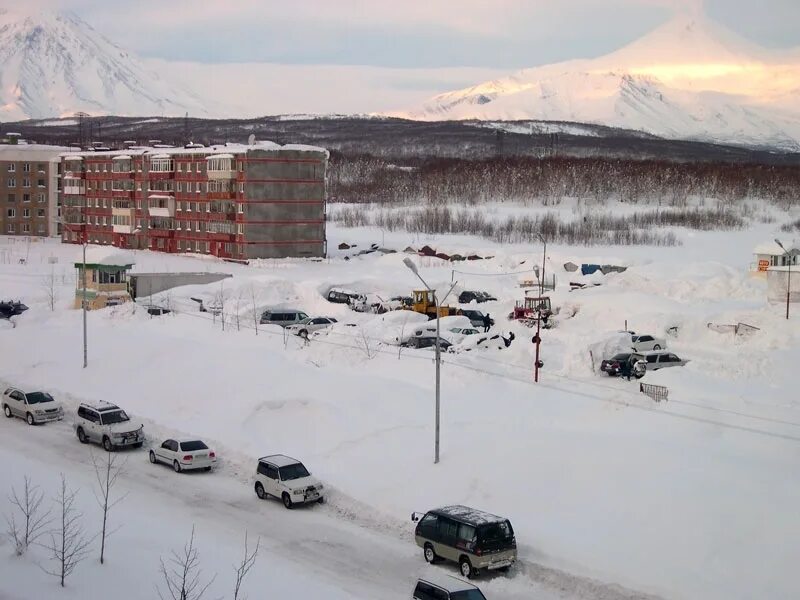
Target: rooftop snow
470,515
772,248
209,151
279,460
108,256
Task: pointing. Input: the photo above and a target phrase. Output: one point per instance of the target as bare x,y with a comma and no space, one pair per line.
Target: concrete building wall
285,204
144,284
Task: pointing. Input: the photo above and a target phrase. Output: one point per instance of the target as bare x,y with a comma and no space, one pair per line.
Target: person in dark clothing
487,322
626,369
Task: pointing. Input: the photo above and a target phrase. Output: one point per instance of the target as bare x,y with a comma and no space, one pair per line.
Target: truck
423,303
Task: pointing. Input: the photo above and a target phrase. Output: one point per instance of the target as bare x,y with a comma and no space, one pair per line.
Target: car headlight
299,491
118,435
39,411
320,487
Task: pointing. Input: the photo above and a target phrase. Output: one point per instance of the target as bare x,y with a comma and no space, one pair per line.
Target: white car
286,478
310,325
107,424
646,343
184,455
456,335
34,407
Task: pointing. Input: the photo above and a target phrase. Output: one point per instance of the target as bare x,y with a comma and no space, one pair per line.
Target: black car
428,341
468,296
615,365
11,309
476,317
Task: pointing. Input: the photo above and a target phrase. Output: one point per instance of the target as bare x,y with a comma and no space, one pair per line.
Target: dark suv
474,539
468,296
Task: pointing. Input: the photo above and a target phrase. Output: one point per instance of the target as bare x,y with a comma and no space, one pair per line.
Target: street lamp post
438,351
789,276
539,311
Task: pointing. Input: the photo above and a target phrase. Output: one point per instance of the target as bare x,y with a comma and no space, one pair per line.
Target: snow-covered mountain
54,64
690,78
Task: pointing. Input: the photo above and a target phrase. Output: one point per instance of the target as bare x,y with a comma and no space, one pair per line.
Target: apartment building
29,200
232,201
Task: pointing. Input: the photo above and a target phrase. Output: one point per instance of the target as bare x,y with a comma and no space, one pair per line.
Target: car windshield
295,471
495,532
192,446
467,595
38,397
116,416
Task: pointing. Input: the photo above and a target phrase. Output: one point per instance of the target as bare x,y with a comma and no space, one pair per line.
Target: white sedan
184,455
310,325
34,407
456,335
647,343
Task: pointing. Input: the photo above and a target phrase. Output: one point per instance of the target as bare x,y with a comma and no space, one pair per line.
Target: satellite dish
251,140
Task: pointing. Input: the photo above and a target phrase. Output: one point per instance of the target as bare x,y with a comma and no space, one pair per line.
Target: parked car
10,308
474,539
661,360
338,296
427,341
34,407
282,317
107,424
184,455
445,587
287,479
310,325
615,365
476,317
645,343
456,335
468,296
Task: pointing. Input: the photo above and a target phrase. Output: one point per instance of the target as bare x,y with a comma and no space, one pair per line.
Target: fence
656,392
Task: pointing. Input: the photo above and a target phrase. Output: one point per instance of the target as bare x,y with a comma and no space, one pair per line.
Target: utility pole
413,268
85,241
789,276
538,342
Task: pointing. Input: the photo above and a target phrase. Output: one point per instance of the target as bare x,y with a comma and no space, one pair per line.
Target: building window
40,167
12,182
26,228
40,198
197,188
105,186
10,228
26,197
12,197
40,213
191,207
197,225
220,164
40,228
11,213
208,247
162,165
239,229
26,182
160,243
241,188
179,187
40,182
26,213
241,208
26,167
12,168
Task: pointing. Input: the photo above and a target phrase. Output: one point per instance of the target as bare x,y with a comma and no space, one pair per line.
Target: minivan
282,317
445,587
472,538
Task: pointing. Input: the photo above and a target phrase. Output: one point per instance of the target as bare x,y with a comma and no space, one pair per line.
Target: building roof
30,152
279,460
208,151
772,248
108,256
470,515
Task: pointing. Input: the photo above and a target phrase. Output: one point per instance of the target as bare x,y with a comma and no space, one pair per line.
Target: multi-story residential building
233,201
29,200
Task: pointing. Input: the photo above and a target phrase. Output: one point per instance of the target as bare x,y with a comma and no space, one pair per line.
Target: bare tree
68,543
238,309
107,473
248,561
254,301
181,574
33,521
50,287
367,345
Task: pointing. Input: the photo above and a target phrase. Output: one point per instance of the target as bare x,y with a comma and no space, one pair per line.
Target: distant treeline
368,179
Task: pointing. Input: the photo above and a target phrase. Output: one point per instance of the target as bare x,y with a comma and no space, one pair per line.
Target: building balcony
74,190
222,174
122,193
122,211
122,228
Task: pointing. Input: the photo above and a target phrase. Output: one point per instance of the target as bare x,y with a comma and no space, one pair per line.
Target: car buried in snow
288,480
433,586
188,454
310,325
34,407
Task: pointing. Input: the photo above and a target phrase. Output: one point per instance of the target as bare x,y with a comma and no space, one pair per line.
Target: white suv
34,407
286,478
109,425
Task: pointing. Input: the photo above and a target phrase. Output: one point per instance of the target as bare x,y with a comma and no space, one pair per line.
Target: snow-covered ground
692,498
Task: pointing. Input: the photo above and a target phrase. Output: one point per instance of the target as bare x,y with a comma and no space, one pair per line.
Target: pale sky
489,34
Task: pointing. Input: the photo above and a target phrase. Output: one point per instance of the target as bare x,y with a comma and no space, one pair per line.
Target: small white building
771,254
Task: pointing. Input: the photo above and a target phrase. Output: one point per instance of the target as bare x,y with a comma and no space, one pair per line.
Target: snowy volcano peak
689,78
53,63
